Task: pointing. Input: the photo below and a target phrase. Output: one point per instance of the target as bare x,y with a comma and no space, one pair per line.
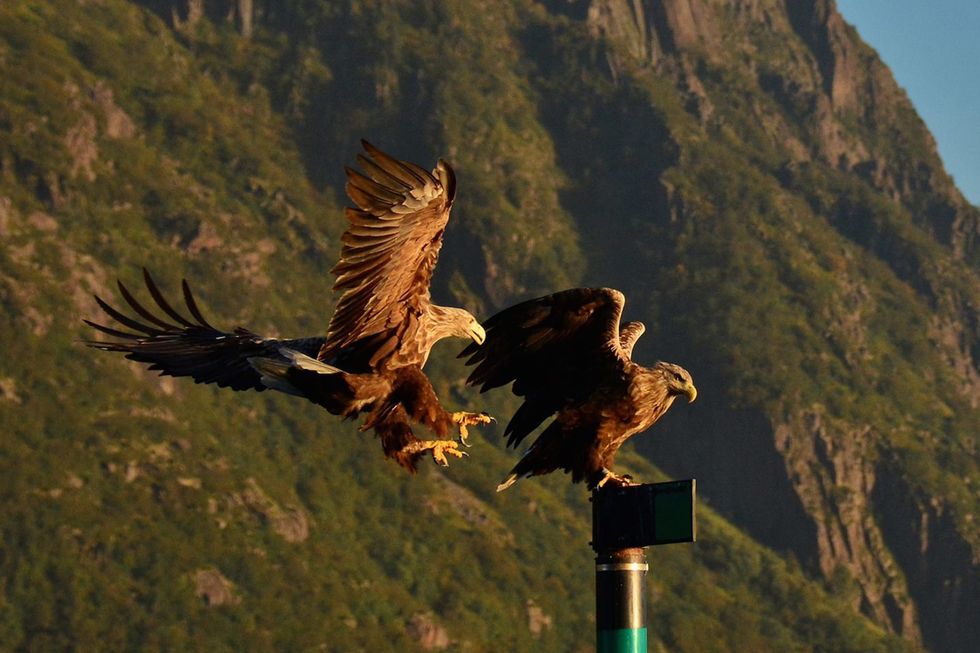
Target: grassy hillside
142,513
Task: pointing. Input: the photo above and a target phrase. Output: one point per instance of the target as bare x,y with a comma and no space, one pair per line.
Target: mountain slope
808,284
826,269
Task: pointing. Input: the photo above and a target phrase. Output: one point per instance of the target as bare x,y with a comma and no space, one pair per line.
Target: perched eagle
378,339
567,354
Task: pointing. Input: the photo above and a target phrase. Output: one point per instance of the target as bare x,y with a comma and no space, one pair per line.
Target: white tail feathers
269,366
308,363
273,374
275,371
507,482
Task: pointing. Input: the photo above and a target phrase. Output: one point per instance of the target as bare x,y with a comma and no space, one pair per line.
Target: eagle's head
678,381
474,330
456,322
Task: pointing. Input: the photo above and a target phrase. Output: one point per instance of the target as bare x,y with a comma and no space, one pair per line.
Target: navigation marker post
624,520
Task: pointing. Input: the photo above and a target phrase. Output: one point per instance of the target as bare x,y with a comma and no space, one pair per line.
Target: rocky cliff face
747,172
824,101
933,552
833,471
187,14
828,78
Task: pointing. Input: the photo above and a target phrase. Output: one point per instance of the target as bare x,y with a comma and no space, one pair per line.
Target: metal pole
624,520
621,601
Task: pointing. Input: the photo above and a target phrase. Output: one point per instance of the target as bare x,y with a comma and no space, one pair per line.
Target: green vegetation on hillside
143,514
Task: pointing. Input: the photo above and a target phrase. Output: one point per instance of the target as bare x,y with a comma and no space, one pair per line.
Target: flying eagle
567,354
378,339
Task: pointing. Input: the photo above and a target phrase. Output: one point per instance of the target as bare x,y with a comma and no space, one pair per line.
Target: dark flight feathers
370,361
189,348
551,349
567,356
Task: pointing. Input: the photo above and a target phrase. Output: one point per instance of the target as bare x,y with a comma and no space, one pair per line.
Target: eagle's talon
443,447
615,479
439,449
464,419
470,419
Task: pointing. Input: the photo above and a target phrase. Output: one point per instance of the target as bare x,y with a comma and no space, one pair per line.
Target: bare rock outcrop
212,586
831,72
118,124
186,14
424,629
832,469
537,620
825,99
475,512
81,145
290,523
942,570
8,390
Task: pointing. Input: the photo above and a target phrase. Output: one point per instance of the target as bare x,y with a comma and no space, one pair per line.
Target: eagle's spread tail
274,374
507,482
560,446
304,362
275,371
296,373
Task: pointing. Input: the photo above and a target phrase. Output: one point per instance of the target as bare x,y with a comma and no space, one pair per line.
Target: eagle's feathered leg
397,439
412,398
400,443
393,400
413,390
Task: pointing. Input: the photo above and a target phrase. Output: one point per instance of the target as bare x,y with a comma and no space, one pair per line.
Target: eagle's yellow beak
691,392
477,332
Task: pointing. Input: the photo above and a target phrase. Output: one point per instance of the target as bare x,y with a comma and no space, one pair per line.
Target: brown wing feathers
628,335
389,249
552,348
549,333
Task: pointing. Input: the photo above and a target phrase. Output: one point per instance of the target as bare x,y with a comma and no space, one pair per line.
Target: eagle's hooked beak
691,392
477,332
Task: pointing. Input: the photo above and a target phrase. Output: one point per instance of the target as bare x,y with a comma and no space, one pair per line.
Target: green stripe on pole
622,640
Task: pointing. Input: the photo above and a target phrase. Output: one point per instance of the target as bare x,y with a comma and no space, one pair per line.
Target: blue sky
933,50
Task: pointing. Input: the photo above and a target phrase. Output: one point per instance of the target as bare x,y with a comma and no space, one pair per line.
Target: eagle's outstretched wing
553,348
389,250
629,333
187,347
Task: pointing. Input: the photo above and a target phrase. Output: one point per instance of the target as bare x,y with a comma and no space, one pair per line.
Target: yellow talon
438,448
464,419
615,479
446,447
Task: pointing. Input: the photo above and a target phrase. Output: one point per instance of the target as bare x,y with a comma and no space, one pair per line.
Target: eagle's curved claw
464,419
443,447
615,479
438,448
